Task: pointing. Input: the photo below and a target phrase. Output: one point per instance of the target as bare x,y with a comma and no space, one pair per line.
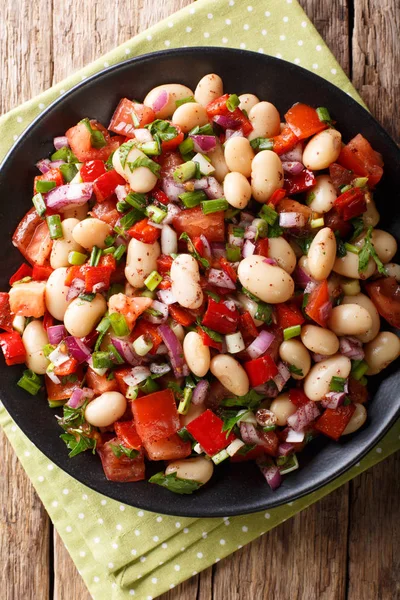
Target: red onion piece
200,184
291,219
285,449
268,389
218,249
69,196
206,245
136,376
301,278
249,434
79,395
200,392
60,142
161,308
294,437
273,476
271,261
56,334
226,122
172,212
166,296
172,189
125,349
248,249
311,285
235,241
318,357
160,101
143,135
221,279
250,232
43,165
56,164
352,348
303,416
51,375
292,167
260,345
162,349
230,133
333,400
77,349
325,311
121,193
296,154
215,189
175,351
203,143
283,376
77,286
158,369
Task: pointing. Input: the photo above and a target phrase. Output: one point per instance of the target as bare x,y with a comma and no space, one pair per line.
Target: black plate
234,489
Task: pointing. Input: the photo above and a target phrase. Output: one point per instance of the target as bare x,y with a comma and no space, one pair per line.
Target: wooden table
348,545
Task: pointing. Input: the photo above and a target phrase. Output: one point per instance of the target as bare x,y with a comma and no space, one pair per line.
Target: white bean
384,243
209,88
323,195
239,155
282,252
303,264
357,419
393,270
230,373
349,319
265,120
195,469
266,175
319,340
78,212
237,190
322,150
296,354
185,278
322,254
381,351
91,232
104,410
197,355
217,158
268,282
175,92
371,216
363,301
247,101
190,115
348,267
141,180
56,294
34,339
317,382
350,287
251,307
141,261
282,408
195,410
82,316
63,246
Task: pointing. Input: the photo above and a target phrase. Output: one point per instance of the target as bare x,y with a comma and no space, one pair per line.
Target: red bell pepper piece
229,270
6,318
260,370
41,272
144,232
288,315
127,434
120,468
51,175
108,261
334,421
171,145
105,185
160,196
23,271
277,196
207,431
48,320
91,170
284,142
303,120
181,315
199,246
351,204
262,246
295,184
146,328
208,341
219,317
122,121
298,397
359,156
75,272
165,284
318,298
156,416
13,348
172,448
164,263
67,368
247,327
99,277
218,107
340,176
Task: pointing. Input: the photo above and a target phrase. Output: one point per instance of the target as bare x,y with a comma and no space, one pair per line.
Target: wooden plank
67,581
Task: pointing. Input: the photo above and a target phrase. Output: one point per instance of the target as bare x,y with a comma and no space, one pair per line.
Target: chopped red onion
230,305
175,351
203,143
77,349
77,286
56,334
51,375
271,261
218,249
143,135
285,449
121,193
79,395
136,376
318,357
69,196
172,189
125,349
56,164
268,389
60,142
301,278
352,348
333,400
310,287
158,369
206,245
250,232
292,167
234,240
200,184
248,249
215,189
221,279
172,212
249,433
226,122
291,219
295,437
230,133
303,416
162,309
43,165
260,345
166,296
200,392
273,476
325,311
283,376
296,154
161,101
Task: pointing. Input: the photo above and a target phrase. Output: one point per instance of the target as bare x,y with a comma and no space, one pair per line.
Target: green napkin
121,551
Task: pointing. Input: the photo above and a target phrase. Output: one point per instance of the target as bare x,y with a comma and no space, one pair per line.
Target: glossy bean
141,179
296,354
323,195
282,408
317,382
322,150
217,158
247,101
230,373
348,267
269,283
91,232
393,270
141,261
78,212
178,330
34,339
63,246
175,91
185,278
237,190
195,469
319,340
190,115
81,316
350,287
104,410
266,175
209,88
357,419
239,155
384,243
363,301
322,254
56,294
197,355
349,319
265,120
381,351
282,252
371,216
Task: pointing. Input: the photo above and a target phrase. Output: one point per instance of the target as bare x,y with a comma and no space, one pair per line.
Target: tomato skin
106,211
358,393
208,341
79,141
333,422
171,448
160,196
100,383
220,318
337,223
91,170
298,397
51,175
195,223
123,468
262,247
156,416
218,107
351,204
252,454
41,272
48,320
6,318
288,315
63,391
385,294
359,156
23,271
207,431
164,263
97,276
247,328
229,270
143,327
303,120
127,434
340,176
144,232
67,368
32,238
171,145
122,122
13,348
260,370
318,297
181,315
104,186
285,141
295,184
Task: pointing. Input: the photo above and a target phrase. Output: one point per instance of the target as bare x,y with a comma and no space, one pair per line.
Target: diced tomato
218,107
277,196
303,120
169,161
340,176
288,315
63,391
333,422
194,222
252,454
104,186
318,298
164,263
260,370
100,383
219,317
156,416
358,393
160,196
144,232
41,272
48,320
75,272
67,368
32,238
285,141
108,261
120,373
229,270
27,299
106,211
298,397
25,230
13,348
165,284
359,156
385,294
337,223
295,184
247,327
289,205
6,318
146,328
23,271
91,170
171,145
127,434
207,431
273,349
120,468
172,448
208,341
262,246
269,442
199,246
130,308
97,279
122,122
181,315
79,139
351,204
51,175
